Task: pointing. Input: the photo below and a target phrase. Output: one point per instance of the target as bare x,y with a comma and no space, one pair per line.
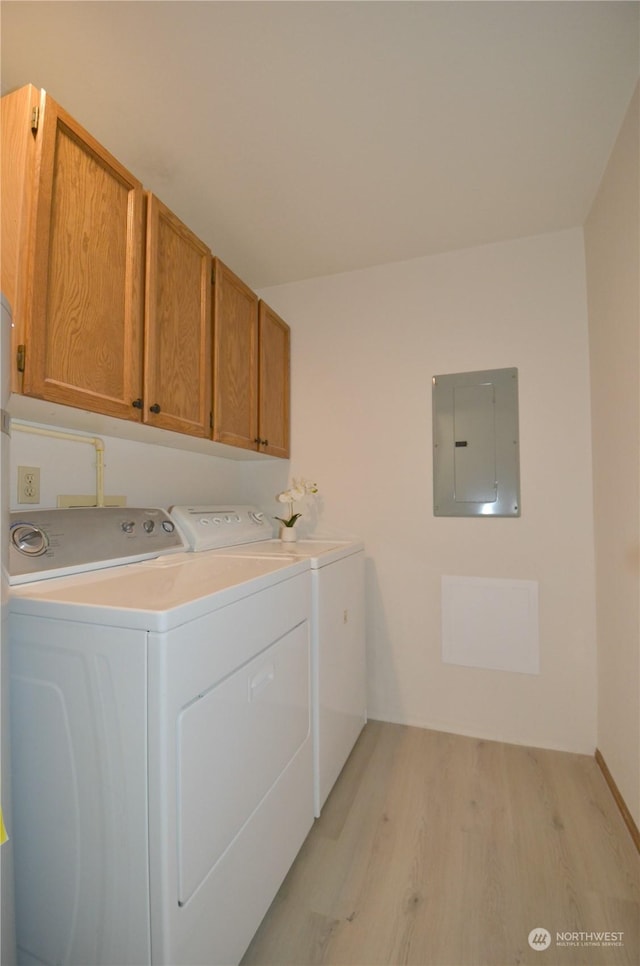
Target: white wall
365,346
613,275
146,474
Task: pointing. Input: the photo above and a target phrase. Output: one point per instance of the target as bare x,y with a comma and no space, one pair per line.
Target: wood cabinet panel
18,166
235,360
83,326
273,382
177,368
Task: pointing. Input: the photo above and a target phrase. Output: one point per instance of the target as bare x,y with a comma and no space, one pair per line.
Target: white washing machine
161,728
338,656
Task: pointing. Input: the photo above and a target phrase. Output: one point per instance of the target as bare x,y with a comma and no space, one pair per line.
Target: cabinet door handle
137,403
155,408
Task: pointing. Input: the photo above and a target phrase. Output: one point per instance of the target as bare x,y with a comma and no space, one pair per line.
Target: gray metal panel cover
476,444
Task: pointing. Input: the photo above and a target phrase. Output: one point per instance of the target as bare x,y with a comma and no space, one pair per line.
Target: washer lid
318,552
155,594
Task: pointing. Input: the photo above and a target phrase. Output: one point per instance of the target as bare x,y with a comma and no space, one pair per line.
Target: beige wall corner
612,250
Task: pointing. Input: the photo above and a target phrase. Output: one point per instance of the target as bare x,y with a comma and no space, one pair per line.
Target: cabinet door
83,326
177,355
18,112
273,383
235,360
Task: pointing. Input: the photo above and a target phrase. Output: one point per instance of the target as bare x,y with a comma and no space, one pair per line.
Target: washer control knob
168,526
128,526
29,539
149,526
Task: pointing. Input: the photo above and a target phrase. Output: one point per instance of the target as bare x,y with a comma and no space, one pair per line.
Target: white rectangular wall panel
491,623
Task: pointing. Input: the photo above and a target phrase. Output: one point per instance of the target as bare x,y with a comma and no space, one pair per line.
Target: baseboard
620,802
481,734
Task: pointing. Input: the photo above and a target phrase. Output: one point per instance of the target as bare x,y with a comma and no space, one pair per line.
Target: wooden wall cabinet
274,337
114,315
73,240
177,331
251,361
235,359
18,166
112,299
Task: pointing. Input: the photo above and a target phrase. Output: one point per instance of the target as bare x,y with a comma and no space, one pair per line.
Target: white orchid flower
300,488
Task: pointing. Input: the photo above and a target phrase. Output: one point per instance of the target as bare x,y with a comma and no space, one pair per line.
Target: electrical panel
476,462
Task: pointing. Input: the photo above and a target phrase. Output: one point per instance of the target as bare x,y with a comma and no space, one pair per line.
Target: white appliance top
243,531
111,566
154,595
319,553
128,568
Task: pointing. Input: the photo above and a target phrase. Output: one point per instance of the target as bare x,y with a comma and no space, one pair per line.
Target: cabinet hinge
35,119
20,357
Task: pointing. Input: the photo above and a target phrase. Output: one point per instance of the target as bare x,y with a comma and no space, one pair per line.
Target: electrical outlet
28,484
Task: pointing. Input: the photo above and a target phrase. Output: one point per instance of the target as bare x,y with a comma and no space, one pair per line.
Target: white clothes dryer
338,648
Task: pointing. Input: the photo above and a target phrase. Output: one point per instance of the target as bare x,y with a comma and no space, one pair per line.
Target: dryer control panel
227,525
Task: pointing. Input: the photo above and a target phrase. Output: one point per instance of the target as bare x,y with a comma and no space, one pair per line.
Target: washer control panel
214,527
53,543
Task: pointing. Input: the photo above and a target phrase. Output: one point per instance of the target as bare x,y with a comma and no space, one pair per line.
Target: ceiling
307,138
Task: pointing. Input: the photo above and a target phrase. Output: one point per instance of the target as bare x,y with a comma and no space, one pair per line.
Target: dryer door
234,742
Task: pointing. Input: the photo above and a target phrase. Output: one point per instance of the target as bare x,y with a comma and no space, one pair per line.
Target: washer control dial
29,539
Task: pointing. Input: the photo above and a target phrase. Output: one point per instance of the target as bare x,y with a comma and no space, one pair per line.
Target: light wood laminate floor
440,850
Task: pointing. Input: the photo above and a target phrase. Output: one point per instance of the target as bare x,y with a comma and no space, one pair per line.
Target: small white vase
288,534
